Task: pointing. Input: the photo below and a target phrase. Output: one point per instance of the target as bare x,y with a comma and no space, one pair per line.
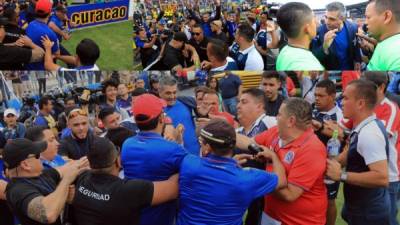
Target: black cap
19,149
101,153
180,36
61,8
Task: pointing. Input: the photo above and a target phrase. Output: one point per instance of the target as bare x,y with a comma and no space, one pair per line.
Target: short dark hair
377,77
88,52
10,14
292,16
44,101
138,91
271,75
202,89
69,98
246,31
198,26
256,93
217,130
337,7
108,83
106,111
35,133
218,49
366,90
151,125
301,110
392,5
328,85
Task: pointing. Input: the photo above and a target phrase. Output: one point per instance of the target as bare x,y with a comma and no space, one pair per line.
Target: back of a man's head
292,16
246,31
88,52
220,135
218,49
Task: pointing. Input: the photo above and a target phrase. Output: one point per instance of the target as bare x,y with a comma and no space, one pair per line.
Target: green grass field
114,41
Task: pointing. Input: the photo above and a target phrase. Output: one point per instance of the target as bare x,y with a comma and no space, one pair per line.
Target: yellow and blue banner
99,13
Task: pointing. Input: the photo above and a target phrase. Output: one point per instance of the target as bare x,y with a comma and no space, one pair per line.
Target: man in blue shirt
150,157
215,189
230,86
336,45
206,19
57,24
179,113
125,99
39,28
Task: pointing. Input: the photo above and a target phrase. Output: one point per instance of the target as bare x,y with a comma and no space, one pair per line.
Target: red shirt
348,76
388,112
289,85
304,160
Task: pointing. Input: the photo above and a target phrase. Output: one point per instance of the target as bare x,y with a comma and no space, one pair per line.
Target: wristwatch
343,176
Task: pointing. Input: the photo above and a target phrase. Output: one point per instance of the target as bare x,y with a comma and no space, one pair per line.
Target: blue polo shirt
35,31
59,23
150,157
215,190
342,44
181,114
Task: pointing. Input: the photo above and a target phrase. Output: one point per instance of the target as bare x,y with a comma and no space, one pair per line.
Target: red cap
148,105
43,6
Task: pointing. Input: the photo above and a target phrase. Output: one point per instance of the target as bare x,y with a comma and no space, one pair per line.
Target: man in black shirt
13,57
271,83
199,42
175,52
37,196
76,145
101,197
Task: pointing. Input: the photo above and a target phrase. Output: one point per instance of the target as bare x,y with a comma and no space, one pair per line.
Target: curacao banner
87,15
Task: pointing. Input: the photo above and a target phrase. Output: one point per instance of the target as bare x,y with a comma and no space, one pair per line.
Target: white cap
10,111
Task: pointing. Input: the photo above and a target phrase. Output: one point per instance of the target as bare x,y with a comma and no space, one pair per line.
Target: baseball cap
10,111
219,132
180,36
43,6
61,8
148,107
19,149
101,152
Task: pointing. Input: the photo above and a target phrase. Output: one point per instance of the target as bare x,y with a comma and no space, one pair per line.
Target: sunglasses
77,112
197,34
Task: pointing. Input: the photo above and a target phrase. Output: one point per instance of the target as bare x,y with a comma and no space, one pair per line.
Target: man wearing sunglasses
37,196
199,42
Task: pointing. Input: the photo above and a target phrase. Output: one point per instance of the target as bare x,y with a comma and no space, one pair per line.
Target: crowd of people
226,38
298,40
155,156
31,37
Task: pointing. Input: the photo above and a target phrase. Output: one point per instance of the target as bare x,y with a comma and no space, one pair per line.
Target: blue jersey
150,157
35,31
215,190
261,39
181,114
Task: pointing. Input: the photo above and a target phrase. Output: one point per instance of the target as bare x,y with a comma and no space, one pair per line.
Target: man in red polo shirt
304,200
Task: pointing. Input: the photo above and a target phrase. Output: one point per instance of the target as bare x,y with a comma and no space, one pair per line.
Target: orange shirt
304,160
